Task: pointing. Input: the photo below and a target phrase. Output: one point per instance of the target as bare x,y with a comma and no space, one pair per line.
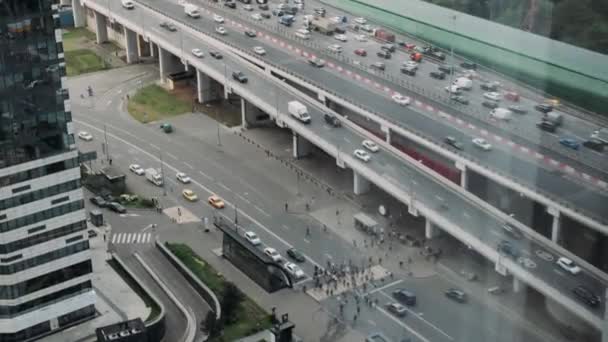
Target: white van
501,114
298,111
128,4
463,83
192,11
303,33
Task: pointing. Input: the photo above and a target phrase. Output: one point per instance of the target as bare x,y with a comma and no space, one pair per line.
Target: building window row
38,172
39,194
44,258
7,311
41,238
41,216
50,279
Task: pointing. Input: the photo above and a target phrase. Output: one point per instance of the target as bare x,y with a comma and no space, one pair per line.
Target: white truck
463,83
298,111
154,176
192,11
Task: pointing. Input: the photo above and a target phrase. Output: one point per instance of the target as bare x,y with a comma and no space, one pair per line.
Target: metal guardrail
429,140
522,133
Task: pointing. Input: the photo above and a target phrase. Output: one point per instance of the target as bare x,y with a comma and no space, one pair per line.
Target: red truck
384,35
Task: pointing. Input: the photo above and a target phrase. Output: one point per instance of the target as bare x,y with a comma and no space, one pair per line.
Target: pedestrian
358,309
286,206
307,231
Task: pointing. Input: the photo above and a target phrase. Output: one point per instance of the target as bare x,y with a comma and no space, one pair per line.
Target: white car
256,16
248,8
568,265
361,21
273,254
453,89
128,4
182,177
482,144
198,53
361,154
370,145
335,48
252,238
218,18
402,100
341,37
221,30
410,64
294,270
259,50
86,136
136,169
361,38
494,96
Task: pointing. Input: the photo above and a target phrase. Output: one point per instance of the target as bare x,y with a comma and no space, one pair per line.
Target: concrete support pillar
556,225
207,89
301,146
131,45
143,48
101,28
463,174
430,230
80,13
245,114
164,62
153,50
517,285
360,184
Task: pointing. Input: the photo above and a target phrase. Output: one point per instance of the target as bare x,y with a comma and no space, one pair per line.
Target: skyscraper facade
45,261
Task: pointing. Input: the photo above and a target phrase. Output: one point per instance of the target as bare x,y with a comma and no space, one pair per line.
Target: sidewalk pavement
116,301
312,322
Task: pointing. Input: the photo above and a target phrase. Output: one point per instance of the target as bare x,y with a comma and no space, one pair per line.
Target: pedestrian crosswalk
125,238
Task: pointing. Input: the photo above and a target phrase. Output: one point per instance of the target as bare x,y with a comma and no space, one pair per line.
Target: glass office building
45,261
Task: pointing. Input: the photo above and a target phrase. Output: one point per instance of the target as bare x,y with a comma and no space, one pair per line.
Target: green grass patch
82,61
73,39
251,317
153,103
150,303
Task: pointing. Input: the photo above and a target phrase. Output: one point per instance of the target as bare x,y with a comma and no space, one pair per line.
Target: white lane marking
371,322
154,146
249,217
113,238
422,319
188,165
307,241
262,211
243,198
146,228
148,238
329,256
172,155
205,175
403,325
224,186
386,286
285,227
138,240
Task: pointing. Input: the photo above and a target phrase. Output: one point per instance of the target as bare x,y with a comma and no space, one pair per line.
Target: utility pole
452,63
162,172
236,216
105,138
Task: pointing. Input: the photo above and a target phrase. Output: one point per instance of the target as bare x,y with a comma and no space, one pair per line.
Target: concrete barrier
155,329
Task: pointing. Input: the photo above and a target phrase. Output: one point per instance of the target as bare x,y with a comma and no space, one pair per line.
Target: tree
210,325
231,298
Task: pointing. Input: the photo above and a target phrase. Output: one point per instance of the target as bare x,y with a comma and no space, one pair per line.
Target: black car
547,126
265,15
594,144
264,7
239,76
543,107
99,201
586,296
404,296
506,248
384,54
216,54
168,26
437,75
469,65
388,48
92,233
250,34
340,30
490,104
295,255
457,295
489,86
460,99
378,65
438,54
332,120
230,4
453,142
117,207
409,71
446,69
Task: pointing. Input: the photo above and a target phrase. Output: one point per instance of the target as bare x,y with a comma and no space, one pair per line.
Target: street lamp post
162,172
105,138
452,56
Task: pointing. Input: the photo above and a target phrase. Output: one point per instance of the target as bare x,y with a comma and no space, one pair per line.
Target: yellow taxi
216,202
189,195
